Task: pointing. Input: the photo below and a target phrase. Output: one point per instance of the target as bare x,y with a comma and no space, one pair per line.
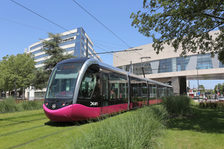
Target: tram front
63,90
60,91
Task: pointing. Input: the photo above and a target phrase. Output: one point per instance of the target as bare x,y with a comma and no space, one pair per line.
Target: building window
221,65
38,51
70,49
40,56
204,61
36,46
67,42
137,69
165,65
182,63
40,62
68,36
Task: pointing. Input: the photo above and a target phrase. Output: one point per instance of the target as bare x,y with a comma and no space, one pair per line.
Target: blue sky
19,28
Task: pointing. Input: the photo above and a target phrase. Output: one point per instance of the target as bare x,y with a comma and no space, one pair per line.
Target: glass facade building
193,62
75,42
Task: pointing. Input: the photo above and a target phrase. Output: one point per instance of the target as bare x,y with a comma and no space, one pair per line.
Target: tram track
22,116
39,126
19,122
39,138
18,131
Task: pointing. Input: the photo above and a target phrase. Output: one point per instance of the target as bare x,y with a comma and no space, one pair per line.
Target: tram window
153,94
88,85
136,89
169,91
144,91
165,91
96,95
63,80
123,89
161,91
105,87
150,91
118,87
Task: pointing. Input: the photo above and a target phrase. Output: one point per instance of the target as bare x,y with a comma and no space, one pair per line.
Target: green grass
134,130
204,129
31,129
177,105
10,105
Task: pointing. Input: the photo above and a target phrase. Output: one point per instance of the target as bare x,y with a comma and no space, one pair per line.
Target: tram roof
74,60
84,59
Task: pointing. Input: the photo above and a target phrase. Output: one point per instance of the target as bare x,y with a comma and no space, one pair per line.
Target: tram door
135,92
104,92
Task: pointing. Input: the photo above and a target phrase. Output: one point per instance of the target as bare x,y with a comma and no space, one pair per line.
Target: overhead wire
118,51
27,25
111,46
95,18
110,53
102,48
65,29
48,20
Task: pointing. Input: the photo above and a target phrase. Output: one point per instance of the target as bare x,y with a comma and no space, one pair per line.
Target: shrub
138,129
8,105
31,105
219,105
177,105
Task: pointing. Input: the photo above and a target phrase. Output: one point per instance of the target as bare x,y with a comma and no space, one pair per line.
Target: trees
16,72
19,71
56,53
219,88
2,81
201,88
184,24
41,78
52,48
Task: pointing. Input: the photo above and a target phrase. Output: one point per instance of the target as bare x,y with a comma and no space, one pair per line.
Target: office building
75,42
169,67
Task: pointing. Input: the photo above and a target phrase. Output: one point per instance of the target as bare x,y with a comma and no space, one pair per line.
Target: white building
75,42
169,67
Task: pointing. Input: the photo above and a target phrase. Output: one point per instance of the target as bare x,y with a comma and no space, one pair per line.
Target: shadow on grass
201,120
67,124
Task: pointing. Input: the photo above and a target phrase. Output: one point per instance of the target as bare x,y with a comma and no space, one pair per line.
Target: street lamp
142,64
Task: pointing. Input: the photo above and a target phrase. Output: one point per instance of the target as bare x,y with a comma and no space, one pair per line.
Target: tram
82,88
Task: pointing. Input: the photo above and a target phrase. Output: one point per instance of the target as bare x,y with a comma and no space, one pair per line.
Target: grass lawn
204,129
32,129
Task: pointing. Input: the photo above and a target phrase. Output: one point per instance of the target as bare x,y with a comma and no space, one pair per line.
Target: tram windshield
63,81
